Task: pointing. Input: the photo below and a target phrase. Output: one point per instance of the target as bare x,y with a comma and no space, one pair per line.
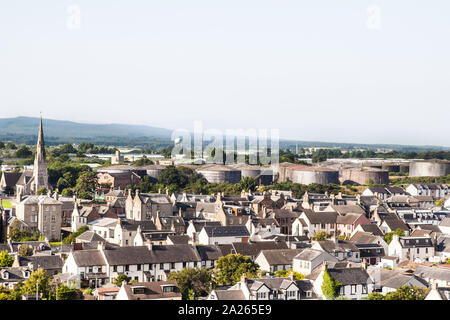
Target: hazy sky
321,70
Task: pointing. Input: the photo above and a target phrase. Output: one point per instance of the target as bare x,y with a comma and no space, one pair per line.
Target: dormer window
5,275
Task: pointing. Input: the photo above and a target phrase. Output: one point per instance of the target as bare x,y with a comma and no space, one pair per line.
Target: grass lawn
6,204
55,243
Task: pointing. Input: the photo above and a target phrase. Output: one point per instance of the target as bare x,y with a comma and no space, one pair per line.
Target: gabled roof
395,224
90,236
371,228
433,272
321,217
11,178
209,252
85,258
152,290
251,249
157,254
227,231
340,245
308,254
42,261
280,256
348,276
229,294
344,209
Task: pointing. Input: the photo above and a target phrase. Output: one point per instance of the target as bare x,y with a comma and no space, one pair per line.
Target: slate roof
251,249
395,224
15,274
158,254
348,219
43,261
340,245
349,276
90,257
227,231
152,290
308,254
321,217
372,228
344,209
198,225
416,242
229,295
11,178
280,256
364,238
179,239
433,272
209,252
90,236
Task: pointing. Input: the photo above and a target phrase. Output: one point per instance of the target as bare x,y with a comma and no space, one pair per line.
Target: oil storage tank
364,175
309,175
429,168
219,173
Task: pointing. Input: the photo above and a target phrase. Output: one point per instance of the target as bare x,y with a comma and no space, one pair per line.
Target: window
418,250
53,218
168,289
364,289
91,270
172,265
53,228
308,294
139,267
127,267
161,266
353,289
114,268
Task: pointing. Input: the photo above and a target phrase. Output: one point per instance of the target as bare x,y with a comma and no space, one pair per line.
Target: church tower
40,173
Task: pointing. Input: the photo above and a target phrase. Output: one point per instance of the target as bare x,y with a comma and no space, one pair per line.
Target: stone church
30,182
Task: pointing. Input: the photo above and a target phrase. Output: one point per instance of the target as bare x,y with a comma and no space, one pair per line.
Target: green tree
196,279
40,279
25,250
330,287
41,191
231,267
388,237
374,296
23,152
247,183
285,273
407,293
321,235
144,161
87,182
6,260
71,238
121,278
65,293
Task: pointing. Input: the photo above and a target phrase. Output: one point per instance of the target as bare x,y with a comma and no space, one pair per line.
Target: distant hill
23,130
67,129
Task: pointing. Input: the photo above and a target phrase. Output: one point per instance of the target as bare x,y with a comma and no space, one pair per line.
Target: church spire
40,173
40,148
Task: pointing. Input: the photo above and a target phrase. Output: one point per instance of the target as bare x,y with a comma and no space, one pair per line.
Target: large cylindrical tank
219,173
153,171
311,175
429,168
364,176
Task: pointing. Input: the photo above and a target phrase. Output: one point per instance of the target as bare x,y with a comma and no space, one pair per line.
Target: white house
412,248
158,290
356,283
223,235
309,259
